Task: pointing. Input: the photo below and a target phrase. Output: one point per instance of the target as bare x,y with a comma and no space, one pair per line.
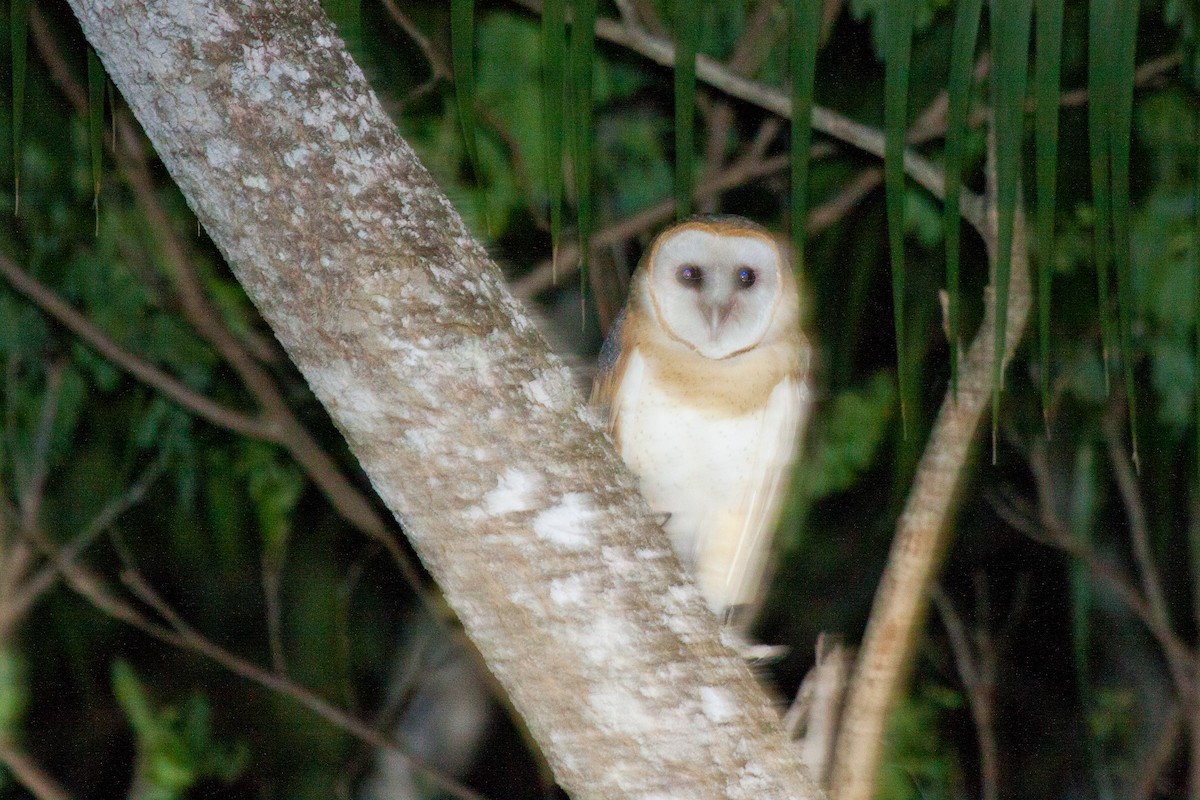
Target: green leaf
96,82
462,54
133,700
14,692
275,484
1047,76
958,90
1010,22
898,26
18,30
175,751
1196,308
554,48
1100,21
687,32
1120,134
583,47
852,431
804,43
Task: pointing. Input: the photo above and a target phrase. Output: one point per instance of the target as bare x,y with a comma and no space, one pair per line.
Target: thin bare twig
1135,515
1158,757
1181,661
770,98
29,773
978,673
40,582
179,634
208,410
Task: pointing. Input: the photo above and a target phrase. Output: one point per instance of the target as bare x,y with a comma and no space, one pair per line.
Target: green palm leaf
583,47
687,32
804,42
18,29
898,24
1100,20
958,90
462,55
1010,23
1047,69
96,83
554,48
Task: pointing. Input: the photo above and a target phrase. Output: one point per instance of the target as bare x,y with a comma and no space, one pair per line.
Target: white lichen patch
297,156
551,389
222,154
337,384
515,492
256,182
606,640
569,591
570,524
616,708
718,704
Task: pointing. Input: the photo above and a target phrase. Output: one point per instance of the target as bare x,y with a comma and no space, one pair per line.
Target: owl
704,378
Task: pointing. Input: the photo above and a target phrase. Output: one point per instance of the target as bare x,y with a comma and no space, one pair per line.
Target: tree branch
279,424
471,432
922,534
29,773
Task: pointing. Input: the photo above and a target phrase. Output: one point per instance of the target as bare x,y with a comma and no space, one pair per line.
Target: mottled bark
469,430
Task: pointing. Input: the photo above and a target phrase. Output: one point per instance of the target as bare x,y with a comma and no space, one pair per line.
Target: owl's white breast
717,472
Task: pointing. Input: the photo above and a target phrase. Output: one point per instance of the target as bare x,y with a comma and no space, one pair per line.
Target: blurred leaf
853,428
19,33
898,17
462,46
346,16
554,49
687,31
1047,69
922,218
918,764
1010,22
1120,134
1100,92
14,692
924,12
175,750
274,483
583,46
804,43
96,81
958,90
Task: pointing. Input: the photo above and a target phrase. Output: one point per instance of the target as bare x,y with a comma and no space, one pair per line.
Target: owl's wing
766,485
609,368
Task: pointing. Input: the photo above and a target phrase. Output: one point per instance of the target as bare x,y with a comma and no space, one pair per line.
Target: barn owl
704,380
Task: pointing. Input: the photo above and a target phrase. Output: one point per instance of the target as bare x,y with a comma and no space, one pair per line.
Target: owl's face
716,287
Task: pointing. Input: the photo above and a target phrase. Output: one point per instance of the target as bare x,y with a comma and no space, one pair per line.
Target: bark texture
469,430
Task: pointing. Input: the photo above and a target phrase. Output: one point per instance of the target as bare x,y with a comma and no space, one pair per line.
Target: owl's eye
746,277
690,275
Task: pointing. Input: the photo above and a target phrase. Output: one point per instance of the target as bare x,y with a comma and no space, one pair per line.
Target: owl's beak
716,317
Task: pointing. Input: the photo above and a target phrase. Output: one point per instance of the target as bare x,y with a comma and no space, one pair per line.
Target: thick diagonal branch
470,431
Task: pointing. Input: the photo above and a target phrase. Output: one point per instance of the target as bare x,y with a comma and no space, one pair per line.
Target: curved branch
922,534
